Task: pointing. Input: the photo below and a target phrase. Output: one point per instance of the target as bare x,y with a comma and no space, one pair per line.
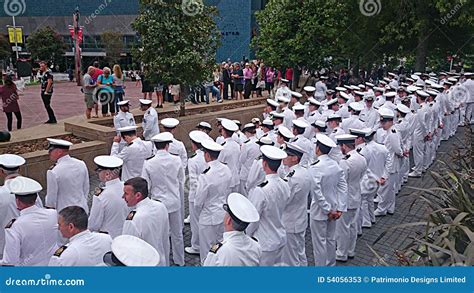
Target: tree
299,33
113,45
46,44
304,32
5,48
179,40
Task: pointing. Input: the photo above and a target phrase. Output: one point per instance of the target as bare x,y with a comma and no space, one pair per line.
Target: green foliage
46,44
5,48
448,230
299,33
304,32
177,48
112,42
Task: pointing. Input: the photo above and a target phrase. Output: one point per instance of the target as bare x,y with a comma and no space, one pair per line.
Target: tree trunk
421,53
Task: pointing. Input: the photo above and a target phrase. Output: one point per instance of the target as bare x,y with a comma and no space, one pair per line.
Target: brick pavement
395,240
67,101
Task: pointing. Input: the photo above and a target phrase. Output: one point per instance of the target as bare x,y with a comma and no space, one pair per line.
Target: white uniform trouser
429,149
181,195
177,242
418,155
294,253
367,210
243,188
462,114
271,258
194,223
324,242
470,112
454,122
358,221
387,195
436,140
346,233
209,235
446,127
405,169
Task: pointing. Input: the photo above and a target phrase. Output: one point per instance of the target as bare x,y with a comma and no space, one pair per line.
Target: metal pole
77,52
451,64
14,36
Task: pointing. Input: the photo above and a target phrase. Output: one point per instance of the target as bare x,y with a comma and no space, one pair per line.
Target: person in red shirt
10,97
97,71
289,76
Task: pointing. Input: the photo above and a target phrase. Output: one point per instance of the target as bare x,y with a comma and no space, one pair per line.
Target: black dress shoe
51,122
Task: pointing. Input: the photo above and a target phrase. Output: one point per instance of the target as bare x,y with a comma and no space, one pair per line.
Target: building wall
234,21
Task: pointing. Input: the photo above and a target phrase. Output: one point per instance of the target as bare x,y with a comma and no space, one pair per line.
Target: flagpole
77,52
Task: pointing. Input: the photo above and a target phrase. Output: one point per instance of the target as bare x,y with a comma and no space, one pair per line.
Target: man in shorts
88,88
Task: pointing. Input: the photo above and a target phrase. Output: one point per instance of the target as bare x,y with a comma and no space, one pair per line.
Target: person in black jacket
226,79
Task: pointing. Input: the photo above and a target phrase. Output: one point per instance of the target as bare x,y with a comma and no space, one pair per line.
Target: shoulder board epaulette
9,225
156,199
259,157
255,239
312,114
291,174
60,250
174,154
131,215
103,232
334,131
348,156
263,184
222,144
359,149
193,155
149,158
98,191
130,143
207,170
52,167
296,138
216,247
315,163
394,131
284,179
413,111
248,140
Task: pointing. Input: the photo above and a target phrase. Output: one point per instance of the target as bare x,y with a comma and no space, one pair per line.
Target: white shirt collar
79,235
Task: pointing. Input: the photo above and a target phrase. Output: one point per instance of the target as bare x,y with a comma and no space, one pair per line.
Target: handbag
261,84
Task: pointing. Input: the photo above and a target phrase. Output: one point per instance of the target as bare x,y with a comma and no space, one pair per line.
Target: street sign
19,35
16,48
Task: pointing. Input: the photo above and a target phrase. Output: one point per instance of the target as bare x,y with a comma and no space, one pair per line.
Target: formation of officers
330,160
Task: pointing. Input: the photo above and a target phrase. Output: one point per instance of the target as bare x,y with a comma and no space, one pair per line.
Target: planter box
37,163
